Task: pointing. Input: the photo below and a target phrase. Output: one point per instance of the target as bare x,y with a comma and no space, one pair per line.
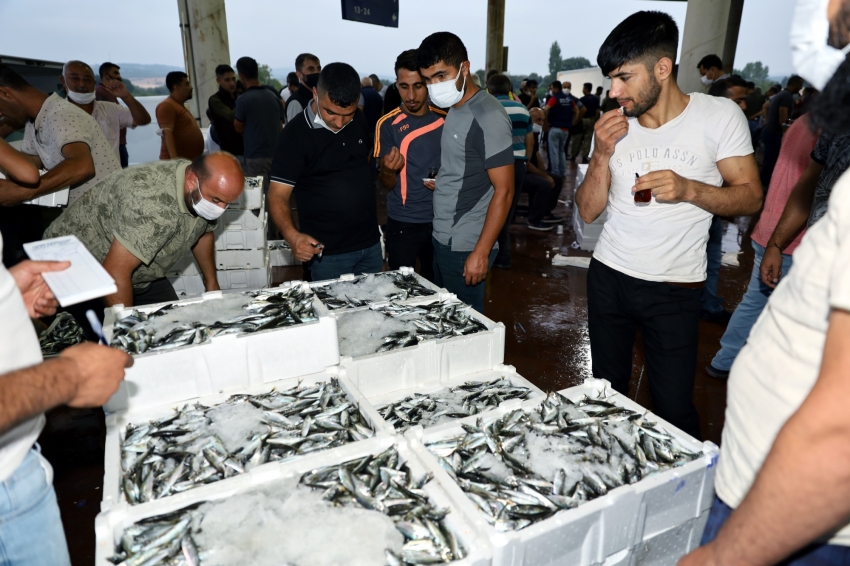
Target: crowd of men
453,158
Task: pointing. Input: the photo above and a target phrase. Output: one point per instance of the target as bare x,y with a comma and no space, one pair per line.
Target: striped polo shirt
520,123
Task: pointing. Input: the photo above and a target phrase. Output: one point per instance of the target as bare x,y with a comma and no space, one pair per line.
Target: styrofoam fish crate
390,382
252,195
245,278
665,548
52,200
403,270
431,361
242,229
186,265
587,235
281,257
606,527
109,525
198,370
241,259
187,286
117,422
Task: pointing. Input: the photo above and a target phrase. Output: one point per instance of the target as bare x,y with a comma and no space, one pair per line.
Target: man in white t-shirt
83,376
693,156
79,84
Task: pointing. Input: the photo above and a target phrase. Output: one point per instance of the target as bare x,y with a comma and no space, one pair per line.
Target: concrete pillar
711,26
203,26
495,35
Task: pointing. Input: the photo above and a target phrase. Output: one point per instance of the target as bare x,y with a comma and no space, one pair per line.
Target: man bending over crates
659,166
140,221
322,156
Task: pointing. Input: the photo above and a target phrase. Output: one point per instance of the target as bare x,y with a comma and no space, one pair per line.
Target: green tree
266,78
555,61
574,63
757,73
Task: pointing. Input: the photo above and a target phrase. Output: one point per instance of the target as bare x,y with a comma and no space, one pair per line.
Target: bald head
537,116
219,177
77,77
366,81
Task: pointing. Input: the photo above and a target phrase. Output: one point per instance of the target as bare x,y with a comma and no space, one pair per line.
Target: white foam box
241,229
109,525
390,383
52,200
247,279
601,531
117,422
281,257
198,370
587,235
252,195
428,363
403,270
241,259
187,286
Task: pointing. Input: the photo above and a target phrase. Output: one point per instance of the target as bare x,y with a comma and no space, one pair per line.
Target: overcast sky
274,32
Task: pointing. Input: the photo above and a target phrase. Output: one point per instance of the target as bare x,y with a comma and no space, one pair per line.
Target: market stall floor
543,308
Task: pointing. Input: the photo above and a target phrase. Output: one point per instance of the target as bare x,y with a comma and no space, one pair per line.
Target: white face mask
319,121
446,94
813,59
537,128
204,208
705,80
81,97
567,91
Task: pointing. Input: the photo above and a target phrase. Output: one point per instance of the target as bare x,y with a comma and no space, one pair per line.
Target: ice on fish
372,288
362,332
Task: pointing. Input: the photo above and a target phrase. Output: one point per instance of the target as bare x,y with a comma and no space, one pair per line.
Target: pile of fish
371,292
527,466
384,483
266,310
457,402
440,319
63,333
381,484
185,450
280,245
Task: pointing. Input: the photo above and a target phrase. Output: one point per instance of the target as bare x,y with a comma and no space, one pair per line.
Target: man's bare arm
477,263
798,208
592,194
17,164
303,245
120,263
802,491
74,170
238,126
170,145
204,252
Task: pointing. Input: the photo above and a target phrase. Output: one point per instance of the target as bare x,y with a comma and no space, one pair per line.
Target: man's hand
96,373
393,162
38,298
702,556
475,268
610,129
115,87
551,181
304,247
430,184
771,266
666,186
12,194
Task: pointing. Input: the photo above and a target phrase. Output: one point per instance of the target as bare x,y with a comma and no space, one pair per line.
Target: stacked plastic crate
241,252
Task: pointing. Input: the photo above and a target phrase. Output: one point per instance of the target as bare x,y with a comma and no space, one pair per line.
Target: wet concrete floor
543,308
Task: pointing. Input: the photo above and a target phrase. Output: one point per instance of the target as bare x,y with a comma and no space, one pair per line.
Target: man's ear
663,69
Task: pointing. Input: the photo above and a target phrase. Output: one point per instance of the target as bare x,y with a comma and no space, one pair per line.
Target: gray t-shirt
476,137
261,112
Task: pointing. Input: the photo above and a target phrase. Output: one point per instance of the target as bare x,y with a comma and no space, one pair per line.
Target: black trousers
19,225
543,197
504,239
668,318
407,241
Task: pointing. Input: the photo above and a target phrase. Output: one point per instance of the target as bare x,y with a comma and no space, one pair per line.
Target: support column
495,35
711,26
203,27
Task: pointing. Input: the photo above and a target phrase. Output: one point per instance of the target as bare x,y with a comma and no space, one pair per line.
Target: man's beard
648,99
839,28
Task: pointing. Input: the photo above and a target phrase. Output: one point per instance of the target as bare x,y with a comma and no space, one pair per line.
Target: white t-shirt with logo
777,368
19,348
666,242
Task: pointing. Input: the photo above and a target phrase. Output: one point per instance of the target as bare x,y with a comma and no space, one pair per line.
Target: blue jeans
747,313
557,145
30,527
367,260
710,300
812,555
448,273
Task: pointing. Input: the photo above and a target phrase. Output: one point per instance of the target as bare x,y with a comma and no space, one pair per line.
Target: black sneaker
716,373
540,226
721,317
552,219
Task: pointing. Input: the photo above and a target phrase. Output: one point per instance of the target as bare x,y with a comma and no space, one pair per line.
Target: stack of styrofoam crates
586,234
280,254
241,255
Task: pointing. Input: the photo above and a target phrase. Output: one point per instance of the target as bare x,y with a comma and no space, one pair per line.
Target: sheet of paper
86,278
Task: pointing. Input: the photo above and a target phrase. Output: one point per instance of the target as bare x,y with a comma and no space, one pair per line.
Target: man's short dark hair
710,61
736,80
795,80
105,68
557,85
588,86
9,78
222,70
292,79
407,60
441,46
341,83
751,84
374,77
299,61
491,73
174,78
248,68
644,36
499,85
718,89
531,83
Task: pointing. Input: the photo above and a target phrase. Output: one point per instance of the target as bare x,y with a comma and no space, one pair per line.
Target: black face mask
312,80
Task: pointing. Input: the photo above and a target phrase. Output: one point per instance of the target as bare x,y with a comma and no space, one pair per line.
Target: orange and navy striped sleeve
381,120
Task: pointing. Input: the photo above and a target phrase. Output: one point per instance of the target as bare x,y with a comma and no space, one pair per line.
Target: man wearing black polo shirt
323,156
407,141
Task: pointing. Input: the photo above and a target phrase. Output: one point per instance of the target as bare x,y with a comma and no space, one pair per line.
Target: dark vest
228,138
303,95
561,114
